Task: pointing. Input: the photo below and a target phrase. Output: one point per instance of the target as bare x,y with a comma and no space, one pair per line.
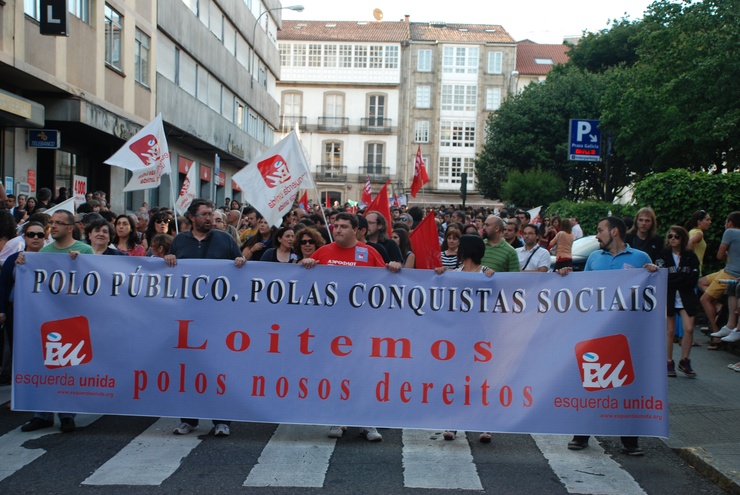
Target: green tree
532,187
612,47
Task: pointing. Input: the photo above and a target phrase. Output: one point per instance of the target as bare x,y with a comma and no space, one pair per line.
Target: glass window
495,60
421,131
227,110
113,35
165,56
360,56
376,57
80,9
314,55
460,60
374,161
345,55
423,97
424,62
292,104
299,55
330,55
141,57
391,57
376,110
285,54
459,97
217,22
456,134
230,37
214,94
333,107
451,168
202,84
332,155
187,74
32,9
493,98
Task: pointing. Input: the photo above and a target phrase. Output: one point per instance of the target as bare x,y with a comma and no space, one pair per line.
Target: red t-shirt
359,255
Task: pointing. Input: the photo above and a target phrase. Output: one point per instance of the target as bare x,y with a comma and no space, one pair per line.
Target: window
292,104
330,55
450,169
424,62
423,97
285,54
459,97
460,60
314,55
299,55
332,156
187,73
421,131
113,34
376,57
166,56
391,57
376,110
214,94
80,9
374,163
201,91
493,98
457,134
495,61
227,108
333,109
360,56
141,57
32,9
345,55
230,36
239,109
217,22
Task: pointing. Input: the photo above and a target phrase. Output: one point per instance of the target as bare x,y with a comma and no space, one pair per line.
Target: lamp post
297,8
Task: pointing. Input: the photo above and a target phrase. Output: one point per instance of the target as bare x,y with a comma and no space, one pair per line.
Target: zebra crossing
300,457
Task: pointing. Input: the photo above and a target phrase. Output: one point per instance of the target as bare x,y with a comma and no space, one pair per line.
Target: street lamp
297,8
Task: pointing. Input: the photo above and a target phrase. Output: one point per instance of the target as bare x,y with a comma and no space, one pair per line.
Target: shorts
716,288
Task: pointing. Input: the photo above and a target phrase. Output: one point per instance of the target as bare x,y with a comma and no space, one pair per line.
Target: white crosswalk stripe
430,461
13,455
296,455
586,471
148,459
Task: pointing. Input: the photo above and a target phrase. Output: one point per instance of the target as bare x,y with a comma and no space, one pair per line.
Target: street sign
585,140
54,18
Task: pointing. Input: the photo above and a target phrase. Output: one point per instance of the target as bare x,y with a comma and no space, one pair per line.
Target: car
581,250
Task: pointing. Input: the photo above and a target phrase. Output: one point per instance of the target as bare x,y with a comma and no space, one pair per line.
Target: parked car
582,248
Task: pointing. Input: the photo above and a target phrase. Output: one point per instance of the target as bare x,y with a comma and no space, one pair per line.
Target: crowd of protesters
482,240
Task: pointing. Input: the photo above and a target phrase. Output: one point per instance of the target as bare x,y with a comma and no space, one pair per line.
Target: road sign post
584,140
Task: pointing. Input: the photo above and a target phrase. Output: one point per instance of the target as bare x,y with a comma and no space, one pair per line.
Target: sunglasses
37,235
673,236
162,220
307,241
403,219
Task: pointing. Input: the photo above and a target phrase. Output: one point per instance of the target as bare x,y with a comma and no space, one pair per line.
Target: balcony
333,124
376,125
331,173
376,173
288,122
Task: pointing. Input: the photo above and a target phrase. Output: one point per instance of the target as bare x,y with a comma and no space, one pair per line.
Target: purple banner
524,353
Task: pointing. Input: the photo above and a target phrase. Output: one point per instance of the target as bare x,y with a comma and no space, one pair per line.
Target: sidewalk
704,414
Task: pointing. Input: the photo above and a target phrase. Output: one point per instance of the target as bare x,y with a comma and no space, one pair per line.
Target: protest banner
270,342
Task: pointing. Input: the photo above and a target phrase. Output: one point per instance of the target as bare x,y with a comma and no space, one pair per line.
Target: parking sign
585,140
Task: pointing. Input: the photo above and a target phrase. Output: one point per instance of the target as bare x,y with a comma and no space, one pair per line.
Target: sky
542,21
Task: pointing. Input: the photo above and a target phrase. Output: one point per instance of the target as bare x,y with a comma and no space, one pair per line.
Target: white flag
146,154
68,205
271,181
187,192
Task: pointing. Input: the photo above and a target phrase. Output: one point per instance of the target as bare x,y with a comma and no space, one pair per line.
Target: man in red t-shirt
346,250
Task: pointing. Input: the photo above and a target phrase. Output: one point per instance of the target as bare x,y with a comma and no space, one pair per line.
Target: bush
533,186
589,213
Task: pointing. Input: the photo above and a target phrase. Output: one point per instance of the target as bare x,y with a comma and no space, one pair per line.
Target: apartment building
367,95
119,64
534,61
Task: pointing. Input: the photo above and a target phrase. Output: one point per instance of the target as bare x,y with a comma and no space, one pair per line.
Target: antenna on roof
378,14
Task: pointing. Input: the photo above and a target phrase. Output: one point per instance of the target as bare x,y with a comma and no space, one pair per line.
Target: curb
702,462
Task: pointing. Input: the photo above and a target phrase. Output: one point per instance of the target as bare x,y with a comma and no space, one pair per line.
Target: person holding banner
346,250
203,242
258,243
125,237
615,254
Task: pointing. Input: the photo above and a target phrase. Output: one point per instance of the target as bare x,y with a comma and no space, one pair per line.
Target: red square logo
146,148
274,171
66,342
605,363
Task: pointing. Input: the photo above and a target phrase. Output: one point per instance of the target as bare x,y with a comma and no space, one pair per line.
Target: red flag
395,201
425,244
367,192
420,174
303,202
328,200
382,206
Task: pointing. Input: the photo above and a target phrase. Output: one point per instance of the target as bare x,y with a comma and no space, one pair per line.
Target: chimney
406,18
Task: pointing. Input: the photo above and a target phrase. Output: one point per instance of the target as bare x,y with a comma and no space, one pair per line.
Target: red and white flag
146,155
420,174
272,180
303,202
367,192
187,191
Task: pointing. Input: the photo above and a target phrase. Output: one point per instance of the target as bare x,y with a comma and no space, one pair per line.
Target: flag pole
172,199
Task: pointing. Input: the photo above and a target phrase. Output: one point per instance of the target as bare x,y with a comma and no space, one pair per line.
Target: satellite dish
378,14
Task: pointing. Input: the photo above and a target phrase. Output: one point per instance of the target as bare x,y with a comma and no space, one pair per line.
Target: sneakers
577,444
371,434
184,429
485,437
722,332
733,336
37,424
634,451
449,434
68,425
221,430
671,368
336,431
685,366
